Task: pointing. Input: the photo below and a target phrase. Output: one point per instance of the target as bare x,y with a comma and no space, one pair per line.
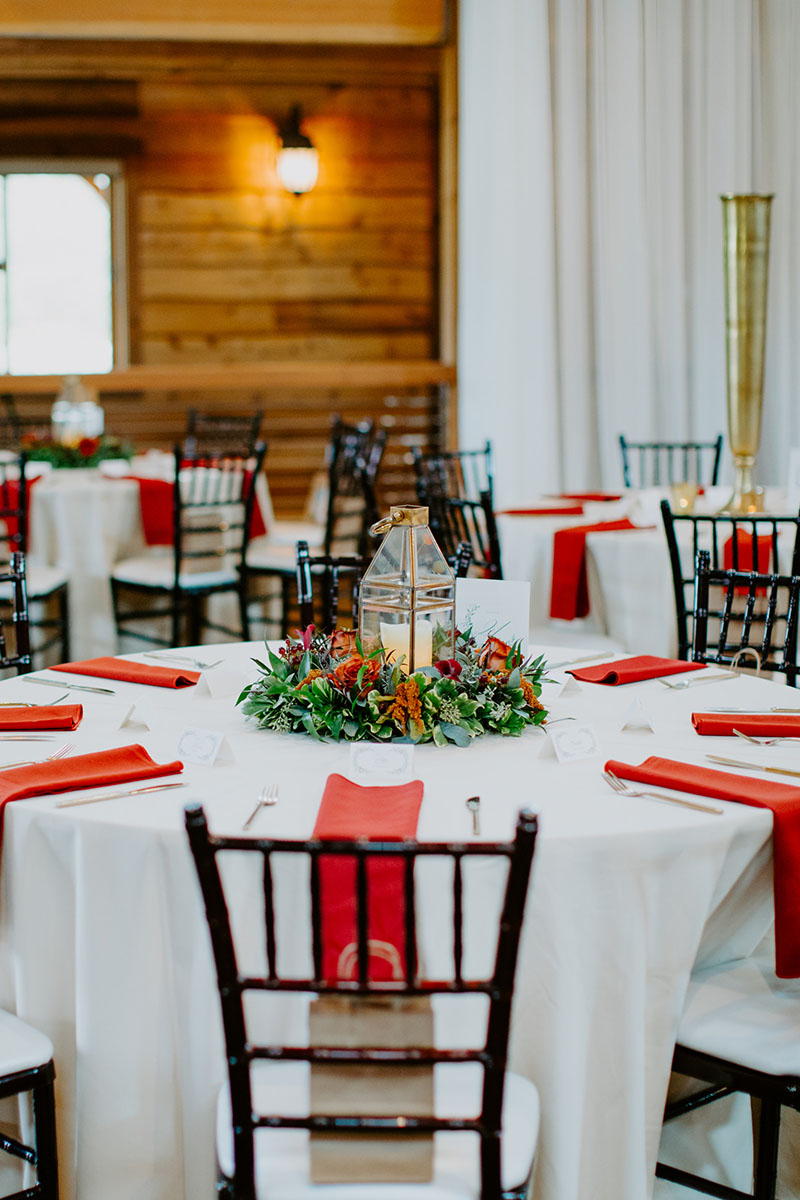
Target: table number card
494,608
374,763
574,742
206,747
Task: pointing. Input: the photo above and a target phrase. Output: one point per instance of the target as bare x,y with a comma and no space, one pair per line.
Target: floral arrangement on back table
323,685
80,452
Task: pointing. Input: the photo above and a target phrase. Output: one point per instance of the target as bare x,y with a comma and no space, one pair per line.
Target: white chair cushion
742,1012
265,554
158,570
21,1047
289,533
41,582
282,1155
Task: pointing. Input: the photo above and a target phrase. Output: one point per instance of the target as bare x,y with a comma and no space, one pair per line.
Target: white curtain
595,139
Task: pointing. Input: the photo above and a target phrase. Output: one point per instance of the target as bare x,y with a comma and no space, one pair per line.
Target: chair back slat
757,611
658,464
217,434
497,983
461,474
456,523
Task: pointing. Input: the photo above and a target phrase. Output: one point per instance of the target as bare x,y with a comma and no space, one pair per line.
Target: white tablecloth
85,521
104,944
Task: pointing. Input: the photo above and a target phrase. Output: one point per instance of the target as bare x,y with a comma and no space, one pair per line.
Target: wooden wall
224,266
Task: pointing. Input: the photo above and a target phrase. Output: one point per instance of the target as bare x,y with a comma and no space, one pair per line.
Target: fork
61,752
185,658
625,790
764,741
680,685
266,798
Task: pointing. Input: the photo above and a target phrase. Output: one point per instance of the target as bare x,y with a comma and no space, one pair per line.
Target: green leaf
305,665
438,737
455,733
514,679
245,692
278,665
350,728
308,722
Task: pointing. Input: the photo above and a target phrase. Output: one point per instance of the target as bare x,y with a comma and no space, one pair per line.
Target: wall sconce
298,160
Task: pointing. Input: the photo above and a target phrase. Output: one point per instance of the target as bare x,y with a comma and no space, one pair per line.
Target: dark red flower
88,446
449,667
305,635
494,655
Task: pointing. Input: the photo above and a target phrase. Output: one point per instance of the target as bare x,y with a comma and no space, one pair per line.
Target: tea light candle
396,640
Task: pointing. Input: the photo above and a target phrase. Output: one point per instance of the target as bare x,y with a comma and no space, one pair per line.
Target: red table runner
349,810
781,799
569,596
131,672
155,497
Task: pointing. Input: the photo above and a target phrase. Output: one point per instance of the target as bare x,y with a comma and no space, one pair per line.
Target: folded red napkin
122,765
155,498
783,801
634,670
756,724
10,497
746,559
554,510
131,672
41,716
589,496
349,810
569,595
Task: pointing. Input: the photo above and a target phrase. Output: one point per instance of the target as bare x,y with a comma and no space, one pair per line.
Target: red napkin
155,498
757,725
131,672
745,559
122,765
784,802
589,496
573,510
42,716
634,670
569,596
11,497
349,810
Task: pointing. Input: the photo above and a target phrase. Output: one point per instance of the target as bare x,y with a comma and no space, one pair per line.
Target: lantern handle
386,523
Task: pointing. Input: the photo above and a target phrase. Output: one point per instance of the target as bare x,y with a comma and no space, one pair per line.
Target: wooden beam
222,378
361,22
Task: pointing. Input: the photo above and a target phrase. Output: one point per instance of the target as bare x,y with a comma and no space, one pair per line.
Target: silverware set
680,685
183,658
73,687
61,752
473,803
155,787
765,741
750,766
625,789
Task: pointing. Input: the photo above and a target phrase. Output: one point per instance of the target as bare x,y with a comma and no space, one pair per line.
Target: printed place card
223,683
206,747
574,742
375,763
637,719
494,608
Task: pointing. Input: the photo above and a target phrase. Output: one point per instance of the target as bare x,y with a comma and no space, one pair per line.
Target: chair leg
44,1119
176,619
195,620
63,620
244,615
766,1166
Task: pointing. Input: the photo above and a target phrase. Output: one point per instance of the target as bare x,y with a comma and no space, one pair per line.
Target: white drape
595,139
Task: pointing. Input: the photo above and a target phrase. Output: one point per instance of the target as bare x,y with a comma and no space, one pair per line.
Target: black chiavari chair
27,1068
657,464
741,543
44,584
464,474
219,434
212,509
12,582
246,1053
738,614
455,521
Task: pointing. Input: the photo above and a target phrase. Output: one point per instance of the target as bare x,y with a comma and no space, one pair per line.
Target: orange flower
310,677
531,698
342,643
406,705
493,655
346,674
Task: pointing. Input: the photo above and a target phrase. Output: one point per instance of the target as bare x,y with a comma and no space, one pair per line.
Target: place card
206,747
223,683
569,687
574,742
134,718
637,719
376,763
494,608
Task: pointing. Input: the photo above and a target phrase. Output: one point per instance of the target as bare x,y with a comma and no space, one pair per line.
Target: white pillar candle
396,640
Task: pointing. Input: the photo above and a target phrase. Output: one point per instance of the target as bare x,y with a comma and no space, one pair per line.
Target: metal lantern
407,596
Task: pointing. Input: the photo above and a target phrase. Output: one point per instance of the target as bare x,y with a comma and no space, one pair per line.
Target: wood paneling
225,268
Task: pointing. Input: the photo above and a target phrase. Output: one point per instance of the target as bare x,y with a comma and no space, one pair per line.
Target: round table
105,948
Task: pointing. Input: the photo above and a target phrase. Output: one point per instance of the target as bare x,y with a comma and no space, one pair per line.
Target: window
61,290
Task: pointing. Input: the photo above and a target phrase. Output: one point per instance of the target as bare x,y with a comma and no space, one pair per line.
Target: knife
156,787
752,711
76,687
735,762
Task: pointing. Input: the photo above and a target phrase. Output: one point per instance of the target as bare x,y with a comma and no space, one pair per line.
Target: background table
105,947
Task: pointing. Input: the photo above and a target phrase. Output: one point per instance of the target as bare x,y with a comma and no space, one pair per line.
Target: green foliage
85,452
313,687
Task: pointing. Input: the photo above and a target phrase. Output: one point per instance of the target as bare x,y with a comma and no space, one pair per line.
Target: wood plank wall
224,266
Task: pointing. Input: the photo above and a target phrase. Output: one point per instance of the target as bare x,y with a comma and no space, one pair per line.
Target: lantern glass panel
407,599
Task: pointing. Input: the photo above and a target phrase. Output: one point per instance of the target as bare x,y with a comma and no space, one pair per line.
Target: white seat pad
21,1047
282,1156
41,581
742,1012
270,557
289,533
158,570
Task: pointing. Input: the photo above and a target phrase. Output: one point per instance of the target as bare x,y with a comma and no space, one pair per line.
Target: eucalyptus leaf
454,733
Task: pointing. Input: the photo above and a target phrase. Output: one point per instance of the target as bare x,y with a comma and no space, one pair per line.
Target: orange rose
346,674
342,643
493,655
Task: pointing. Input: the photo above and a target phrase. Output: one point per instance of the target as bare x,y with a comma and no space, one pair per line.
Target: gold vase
745,223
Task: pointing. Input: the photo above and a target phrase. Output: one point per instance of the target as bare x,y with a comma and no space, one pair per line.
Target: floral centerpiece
82,452
323,685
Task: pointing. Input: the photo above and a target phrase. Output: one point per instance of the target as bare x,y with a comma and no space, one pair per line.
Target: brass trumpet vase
746,231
